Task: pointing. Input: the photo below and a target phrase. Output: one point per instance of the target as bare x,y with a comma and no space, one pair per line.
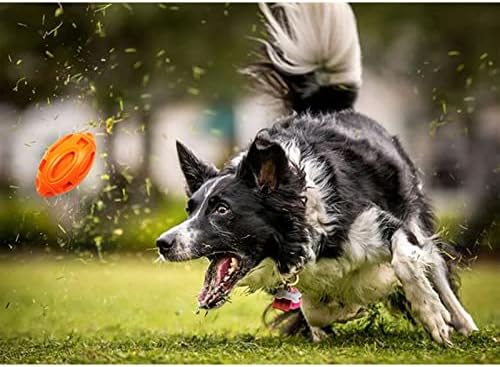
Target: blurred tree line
127,60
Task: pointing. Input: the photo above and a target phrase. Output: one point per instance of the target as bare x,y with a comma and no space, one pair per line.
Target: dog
325,196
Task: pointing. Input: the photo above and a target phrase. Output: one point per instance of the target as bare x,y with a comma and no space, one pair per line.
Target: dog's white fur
319,38
317,188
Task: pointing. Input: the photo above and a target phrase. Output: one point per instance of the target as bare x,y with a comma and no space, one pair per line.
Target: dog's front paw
464,323
437,321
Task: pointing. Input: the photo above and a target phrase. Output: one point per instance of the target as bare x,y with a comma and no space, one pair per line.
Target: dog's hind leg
294,323
287,324
321,315
410,264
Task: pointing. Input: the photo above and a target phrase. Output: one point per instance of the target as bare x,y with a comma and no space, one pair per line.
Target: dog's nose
165,242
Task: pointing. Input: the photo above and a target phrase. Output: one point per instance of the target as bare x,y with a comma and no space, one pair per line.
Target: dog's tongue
214,287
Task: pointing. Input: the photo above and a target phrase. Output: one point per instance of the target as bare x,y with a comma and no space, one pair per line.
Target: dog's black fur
262,205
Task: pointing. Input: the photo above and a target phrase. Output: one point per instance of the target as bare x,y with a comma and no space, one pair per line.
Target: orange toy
65,164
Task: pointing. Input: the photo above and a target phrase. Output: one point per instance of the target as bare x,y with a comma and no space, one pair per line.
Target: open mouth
224,271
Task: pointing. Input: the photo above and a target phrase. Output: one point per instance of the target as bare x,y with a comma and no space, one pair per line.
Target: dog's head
249,211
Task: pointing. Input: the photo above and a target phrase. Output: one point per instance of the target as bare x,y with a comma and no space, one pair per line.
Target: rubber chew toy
65,164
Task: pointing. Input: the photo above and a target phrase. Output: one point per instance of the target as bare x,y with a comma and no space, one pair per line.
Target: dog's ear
195,171
266,164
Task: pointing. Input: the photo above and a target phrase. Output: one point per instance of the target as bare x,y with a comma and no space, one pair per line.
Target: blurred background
141,76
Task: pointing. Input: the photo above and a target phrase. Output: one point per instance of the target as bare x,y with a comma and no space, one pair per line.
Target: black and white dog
325,193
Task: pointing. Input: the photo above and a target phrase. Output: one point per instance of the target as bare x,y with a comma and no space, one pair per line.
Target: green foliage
31,225
451,229
24,222
127,310
140,230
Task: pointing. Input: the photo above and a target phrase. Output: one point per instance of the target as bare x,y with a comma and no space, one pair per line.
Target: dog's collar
290,282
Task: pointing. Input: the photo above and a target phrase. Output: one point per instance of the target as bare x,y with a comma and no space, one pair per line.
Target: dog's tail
312,60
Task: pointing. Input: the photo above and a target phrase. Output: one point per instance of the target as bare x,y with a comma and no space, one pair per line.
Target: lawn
129,310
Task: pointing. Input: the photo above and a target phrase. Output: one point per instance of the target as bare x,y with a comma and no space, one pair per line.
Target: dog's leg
410,266
321,315
287,324
315,318
460,318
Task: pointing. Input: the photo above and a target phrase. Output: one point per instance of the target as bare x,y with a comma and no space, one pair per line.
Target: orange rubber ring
65,164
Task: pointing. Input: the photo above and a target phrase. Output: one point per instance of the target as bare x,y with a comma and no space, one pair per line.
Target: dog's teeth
233,266
226,278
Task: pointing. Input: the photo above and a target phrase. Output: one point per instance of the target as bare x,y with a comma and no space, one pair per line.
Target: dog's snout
165,242
177,243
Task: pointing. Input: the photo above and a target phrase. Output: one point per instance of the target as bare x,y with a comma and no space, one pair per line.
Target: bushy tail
312,60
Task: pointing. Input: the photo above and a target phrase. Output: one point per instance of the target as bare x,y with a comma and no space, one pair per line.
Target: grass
69,310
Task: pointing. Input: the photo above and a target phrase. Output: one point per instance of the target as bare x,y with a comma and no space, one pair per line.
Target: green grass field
128,310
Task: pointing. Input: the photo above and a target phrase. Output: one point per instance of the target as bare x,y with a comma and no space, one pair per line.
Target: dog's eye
222,209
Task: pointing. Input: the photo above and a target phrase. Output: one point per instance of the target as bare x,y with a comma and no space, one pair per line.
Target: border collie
325,196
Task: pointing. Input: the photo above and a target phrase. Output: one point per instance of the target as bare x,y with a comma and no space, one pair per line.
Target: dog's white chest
337,280
333,279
